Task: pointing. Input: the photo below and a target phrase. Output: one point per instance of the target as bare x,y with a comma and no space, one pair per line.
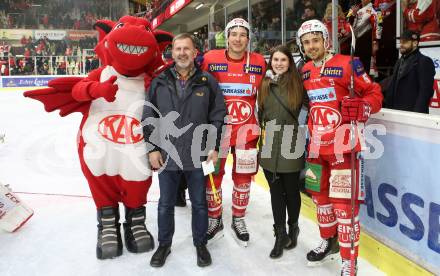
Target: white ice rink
39,160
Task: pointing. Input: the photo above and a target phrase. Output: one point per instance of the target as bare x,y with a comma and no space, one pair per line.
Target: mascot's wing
59,96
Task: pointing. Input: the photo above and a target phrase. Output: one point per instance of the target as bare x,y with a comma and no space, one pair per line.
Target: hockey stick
214,190
352,160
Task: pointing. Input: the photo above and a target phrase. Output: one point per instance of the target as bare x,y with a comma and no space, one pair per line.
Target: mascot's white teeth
131,49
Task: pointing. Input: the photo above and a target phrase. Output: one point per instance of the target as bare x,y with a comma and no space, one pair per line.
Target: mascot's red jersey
111,147
239,84
325,93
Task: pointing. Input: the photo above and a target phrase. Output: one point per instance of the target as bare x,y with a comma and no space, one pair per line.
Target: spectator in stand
27,53
95,63
4,67
24,41
45,21
367,15
309,13
220,40
343,25
412,82
422,16
384,6
77,24
68,51
44,70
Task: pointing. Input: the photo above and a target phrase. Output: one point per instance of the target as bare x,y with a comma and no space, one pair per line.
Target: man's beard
406,51
183,65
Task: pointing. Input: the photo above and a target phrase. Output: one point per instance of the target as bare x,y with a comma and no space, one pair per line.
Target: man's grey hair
185,36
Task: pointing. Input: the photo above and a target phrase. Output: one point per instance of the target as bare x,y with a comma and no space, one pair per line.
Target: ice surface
39,160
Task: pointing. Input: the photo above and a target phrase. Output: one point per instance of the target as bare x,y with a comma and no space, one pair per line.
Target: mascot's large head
130,45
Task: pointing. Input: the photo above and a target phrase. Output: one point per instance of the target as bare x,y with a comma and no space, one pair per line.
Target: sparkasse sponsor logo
236,89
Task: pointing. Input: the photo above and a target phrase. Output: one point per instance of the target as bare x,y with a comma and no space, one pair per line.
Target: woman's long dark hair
290,81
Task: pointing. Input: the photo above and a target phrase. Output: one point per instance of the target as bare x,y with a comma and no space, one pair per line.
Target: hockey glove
355,109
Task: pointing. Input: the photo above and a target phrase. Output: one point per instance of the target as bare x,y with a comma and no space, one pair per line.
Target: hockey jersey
421,16
384,6
368,15
239,85
326,91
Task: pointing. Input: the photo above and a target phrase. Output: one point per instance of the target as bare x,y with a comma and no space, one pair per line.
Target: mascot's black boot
109,234
136,236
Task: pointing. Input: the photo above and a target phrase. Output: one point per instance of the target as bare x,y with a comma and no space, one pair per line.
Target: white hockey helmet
311,26
237,22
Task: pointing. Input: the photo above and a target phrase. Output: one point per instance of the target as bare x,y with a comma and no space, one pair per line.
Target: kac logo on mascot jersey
325,119
239,111
121,129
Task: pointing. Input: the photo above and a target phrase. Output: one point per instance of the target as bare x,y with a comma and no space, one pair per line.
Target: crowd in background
58,14
158,7
44,56
266,21
53,65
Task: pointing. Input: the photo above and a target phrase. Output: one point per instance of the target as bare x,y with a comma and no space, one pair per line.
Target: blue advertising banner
26,81
30,81
402,206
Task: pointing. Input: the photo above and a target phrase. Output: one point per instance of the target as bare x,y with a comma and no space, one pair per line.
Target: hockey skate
109,234
137,238
346,267
215,229
328,250
240,230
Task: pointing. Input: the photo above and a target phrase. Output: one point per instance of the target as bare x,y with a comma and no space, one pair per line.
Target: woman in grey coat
280,98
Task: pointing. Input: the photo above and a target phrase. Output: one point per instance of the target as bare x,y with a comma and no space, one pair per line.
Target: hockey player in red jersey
239,73
328,169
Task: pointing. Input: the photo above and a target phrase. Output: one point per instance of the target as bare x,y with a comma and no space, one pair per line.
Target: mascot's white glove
13,212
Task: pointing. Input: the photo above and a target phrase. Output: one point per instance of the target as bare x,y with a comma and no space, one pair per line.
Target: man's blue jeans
169,185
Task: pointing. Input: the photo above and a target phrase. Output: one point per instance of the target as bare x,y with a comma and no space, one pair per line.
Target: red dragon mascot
111,148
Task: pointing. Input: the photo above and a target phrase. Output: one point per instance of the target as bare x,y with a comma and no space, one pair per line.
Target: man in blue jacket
412,83
183,117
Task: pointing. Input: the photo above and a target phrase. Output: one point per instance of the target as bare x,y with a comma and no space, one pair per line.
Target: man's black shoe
159,257
203,256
